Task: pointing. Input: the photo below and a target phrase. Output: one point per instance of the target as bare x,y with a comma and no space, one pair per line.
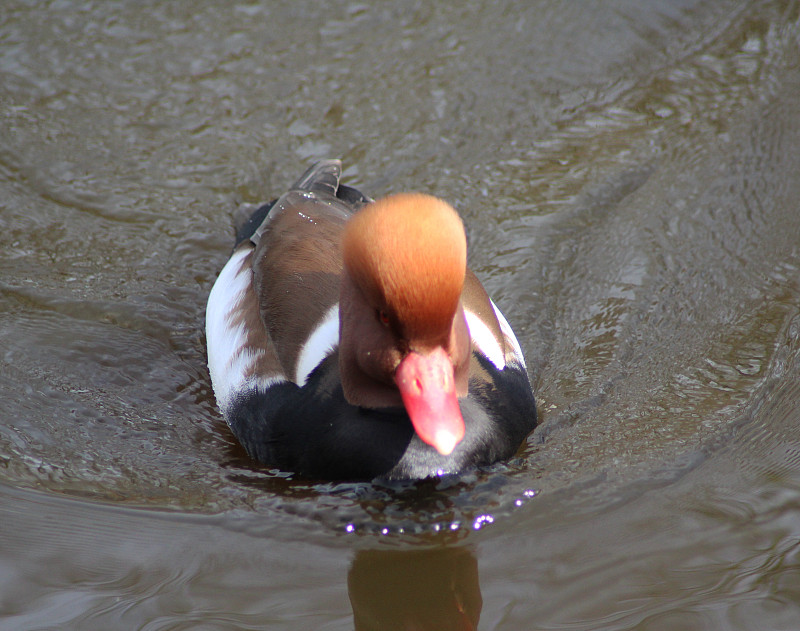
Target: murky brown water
628,172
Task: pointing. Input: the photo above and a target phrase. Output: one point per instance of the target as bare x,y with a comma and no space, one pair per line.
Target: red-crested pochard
347,339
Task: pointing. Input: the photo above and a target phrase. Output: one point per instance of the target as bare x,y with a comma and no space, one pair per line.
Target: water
628,176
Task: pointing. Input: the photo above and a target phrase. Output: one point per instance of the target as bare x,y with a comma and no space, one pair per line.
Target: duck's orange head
401,320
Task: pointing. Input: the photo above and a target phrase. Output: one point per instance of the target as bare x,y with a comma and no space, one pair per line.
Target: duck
348,340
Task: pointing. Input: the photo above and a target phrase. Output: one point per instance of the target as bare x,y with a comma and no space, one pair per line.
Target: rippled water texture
628,174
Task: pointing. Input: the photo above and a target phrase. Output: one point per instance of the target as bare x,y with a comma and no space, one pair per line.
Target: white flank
484,340
511,339
323,339
229,358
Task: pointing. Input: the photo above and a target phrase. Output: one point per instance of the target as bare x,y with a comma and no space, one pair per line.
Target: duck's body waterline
347,339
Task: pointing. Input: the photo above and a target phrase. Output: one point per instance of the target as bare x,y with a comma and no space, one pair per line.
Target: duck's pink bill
427,386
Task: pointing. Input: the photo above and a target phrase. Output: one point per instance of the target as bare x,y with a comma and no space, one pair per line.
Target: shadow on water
428,590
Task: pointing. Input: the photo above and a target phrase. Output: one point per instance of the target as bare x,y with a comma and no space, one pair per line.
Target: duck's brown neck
370,350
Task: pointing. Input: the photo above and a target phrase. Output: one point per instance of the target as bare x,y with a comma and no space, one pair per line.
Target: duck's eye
383,317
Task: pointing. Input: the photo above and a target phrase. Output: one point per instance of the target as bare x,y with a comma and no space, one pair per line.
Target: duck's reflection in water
415,590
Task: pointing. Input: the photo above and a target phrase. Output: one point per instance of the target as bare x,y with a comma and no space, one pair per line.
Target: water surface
627,172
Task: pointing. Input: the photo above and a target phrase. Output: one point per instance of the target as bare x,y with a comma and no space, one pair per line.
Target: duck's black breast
313,431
